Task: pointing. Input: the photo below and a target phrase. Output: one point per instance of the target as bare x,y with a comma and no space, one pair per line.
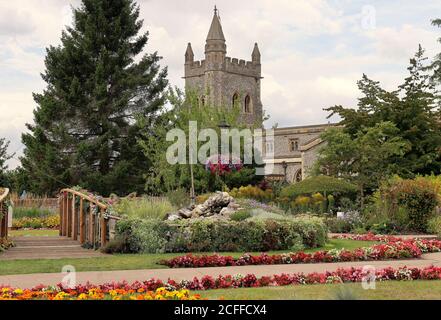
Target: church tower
224,81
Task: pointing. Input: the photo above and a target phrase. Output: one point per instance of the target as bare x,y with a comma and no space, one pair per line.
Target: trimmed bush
155,236
321,184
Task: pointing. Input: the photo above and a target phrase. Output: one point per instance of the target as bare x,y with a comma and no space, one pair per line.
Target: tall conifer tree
98,84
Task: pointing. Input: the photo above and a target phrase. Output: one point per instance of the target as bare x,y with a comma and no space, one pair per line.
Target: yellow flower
18,291
82,296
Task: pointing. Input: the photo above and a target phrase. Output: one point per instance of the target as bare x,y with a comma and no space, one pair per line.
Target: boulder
219,205
185,213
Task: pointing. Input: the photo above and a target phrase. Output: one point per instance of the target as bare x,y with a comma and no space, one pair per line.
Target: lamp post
223,125
285,167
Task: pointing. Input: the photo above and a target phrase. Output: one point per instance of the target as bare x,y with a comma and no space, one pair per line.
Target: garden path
47,248
100,277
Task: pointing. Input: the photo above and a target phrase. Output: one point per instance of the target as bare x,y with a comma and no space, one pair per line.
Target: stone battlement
232,65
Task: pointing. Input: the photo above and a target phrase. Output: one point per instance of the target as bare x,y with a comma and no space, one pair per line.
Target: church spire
256,54
216,39
216,32
189,55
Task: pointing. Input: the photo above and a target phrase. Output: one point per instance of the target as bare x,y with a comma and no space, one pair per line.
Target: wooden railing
85,219
4,197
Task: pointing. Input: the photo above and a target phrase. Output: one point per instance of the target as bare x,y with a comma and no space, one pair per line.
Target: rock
220,205
233,206
173,217
185,213
197,212
226,211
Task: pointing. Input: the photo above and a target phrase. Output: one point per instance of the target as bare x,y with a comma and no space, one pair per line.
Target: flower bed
154,289
367,237
50,222
398,249
147,291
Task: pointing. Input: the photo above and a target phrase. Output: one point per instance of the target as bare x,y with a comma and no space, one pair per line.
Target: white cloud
313,52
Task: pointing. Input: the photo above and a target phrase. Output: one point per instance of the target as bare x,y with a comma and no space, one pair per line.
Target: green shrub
337,225
156,236
434,225
418,197
240,215
144,208
316,194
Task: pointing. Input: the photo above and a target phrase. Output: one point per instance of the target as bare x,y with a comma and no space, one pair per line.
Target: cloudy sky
313,51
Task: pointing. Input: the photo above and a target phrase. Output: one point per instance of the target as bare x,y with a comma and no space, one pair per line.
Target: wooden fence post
69,217
60,210
103,229
91,226
2,231
65,205
82,222
74,219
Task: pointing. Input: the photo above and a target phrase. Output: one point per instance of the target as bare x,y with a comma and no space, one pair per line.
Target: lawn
34,233
130,261
388,290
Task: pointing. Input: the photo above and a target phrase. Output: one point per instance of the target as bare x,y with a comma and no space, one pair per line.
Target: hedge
154,236
319,184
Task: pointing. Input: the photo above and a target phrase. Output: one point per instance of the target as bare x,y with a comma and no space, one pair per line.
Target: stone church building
221,80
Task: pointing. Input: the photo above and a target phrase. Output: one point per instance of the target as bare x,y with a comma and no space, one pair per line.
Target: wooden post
65,200
6,220
60,209
2,231
69,217
103,229
74,220
82,223
91,226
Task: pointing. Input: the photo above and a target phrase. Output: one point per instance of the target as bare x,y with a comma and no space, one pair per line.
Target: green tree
365,160
162,176
435,66
98,85
413,111
4,157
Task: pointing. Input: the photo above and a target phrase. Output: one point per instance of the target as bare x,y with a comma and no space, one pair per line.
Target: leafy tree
163,177
4,156
365,160
411,109
86,122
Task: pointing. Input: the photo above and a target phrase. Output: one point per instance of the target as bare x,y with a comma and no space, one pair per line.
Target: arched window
248,106
298,177
236,100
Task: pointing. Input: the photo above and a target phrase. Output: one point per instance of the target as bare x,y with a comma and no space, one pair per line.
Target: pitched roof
216,32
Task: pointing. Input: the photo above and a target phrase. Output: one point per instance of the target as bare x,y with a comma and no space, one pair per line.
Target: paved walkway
99,277
47,248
